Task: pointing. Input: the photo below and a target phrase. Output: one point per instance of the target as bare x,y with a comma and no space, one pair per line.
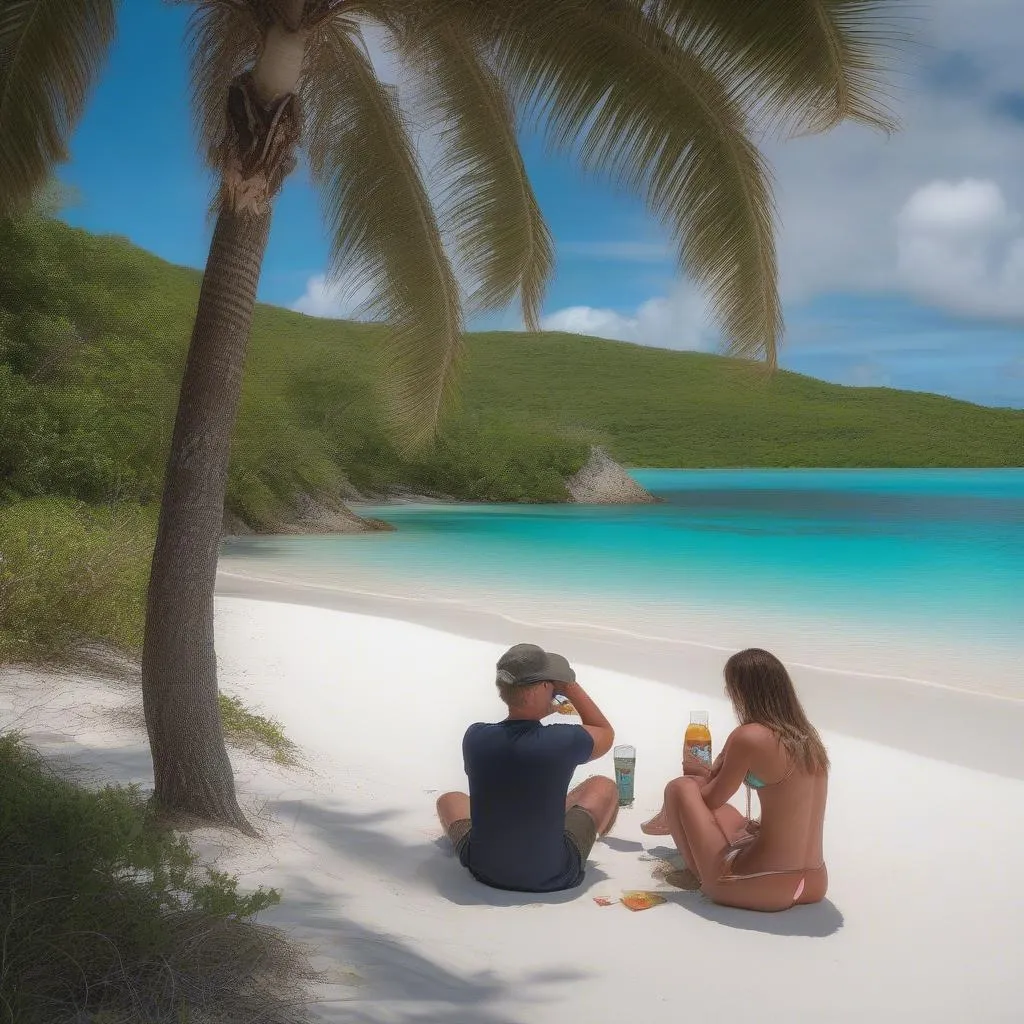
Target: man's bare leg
452,807
599,797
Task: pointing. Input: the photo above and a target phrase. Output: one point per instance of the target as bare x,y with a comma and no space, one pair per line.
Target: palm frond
224,38
810,64
51,52
499,232
607,84
385,235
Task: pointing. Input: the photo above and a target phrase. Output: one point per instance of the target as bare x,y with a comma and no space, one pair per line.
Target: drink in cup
625,764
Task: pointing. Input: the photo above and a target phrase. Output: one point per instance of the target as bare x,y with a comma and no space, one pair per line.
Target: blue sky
902,260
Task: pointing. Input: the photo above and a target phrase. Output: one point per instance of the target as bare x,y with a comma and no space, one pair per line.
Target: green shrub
70,573
497,461
107,916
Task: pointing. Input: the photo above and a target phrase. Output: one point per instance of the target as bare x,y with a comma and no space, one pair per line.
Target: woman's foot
683,879
656,826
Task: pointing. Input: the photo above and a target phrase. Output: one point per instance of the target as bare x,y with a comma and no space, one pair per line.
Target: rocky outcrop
312,514
324,514
602,481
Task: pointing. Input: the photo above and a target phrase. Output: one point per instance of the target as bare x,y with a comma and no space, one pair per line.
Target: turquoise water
933,555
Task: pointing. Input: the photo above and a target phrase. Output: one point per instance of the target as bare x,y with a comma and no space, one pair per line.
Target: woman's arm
716,767
695,766
735,762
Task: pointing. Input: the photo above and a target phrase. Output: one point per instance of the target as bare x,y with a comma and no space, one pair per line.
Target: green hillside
92,339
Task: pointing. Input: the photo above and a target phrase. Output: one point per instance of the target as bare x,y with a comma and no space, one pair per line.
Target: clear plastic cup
625,766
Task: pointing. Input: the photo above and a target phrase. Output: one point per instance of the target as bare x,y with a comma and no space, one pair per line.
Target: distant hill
657,408
93,333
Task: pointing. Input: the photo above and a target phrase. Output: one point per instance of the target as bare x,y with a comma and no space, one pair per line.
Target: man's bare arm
592,718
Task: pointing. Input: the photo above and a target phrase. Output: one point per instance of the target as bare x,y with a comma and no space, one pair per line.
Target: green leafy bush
107,916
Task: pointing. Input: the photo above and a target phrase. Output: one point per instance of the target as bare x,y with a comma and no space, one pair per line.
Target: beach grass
73,575
247,728
109,917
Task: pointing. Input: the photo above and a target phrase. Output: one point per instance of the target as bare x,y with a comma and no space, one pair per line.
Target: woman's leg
730,821
697,832
656,826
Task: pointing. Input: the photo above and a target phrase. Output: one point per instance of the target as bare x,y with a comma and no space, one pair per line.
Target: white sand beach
923,836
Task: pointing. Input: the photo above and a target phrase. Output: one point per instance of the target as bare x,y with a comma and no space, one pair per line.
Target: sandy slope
922,922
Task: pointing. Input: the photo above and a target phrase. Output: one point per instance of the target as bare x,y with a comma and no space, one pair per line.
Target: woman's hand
693,765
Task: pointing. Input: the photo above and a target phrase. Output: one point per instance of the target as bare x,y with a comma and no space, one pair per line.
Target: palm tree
661,97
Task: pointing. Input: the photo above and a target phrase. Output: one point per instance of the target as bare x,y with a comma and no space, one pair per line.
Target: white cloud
965,207
959,248
868,375
333,301
679,321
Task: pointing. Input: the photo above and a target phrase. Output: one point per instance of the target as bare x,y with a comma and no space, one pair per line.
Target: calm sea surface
918,573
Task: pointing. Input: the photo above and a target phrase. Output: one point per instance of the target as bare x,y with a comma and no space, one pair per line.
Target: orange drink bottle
697,741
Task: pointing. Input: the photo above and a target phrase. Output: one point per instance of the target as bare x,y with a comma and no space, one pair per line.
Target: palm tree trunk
192,772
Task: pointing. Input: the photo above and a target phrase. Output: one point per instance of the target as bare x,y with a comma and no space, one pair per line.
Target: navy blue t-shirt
519,774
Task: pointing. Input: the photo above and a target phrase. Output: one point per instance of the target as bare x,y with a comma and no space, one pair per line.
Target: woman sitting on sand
777,862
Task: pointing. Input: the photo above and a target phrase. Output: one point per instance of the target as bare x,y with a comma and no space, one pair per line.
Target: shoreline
904,713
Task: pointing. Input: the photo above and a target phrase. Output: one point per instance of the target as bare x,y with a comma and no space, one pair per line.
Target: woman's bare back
790,836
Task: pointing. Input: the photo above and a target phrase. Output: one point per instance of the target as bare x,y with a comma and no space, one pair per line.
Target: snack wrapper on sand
637,900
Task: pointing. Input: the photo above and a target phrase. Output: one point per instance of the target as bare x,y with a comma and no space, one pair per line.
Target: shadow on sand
455,884
622,845
386,971
816,920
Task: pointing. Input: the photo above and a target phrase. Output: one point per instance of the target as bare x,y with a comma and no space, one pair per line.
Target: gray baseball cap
526,664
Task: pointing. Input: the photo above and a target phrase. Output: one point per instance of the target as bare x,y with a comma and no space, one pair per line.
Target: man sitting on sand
527,833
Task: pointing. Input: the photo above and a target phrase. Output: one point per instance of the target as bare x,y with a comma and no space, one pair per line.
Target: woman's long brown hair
761,691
